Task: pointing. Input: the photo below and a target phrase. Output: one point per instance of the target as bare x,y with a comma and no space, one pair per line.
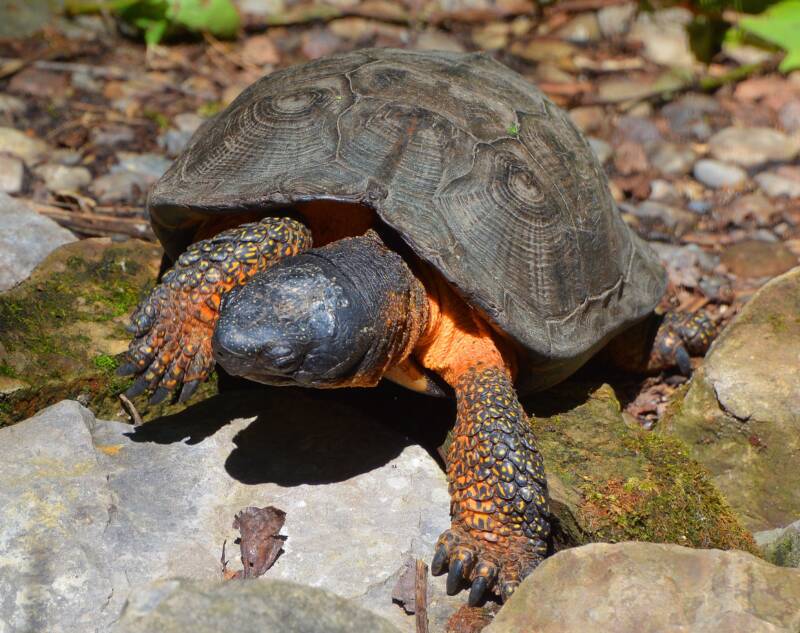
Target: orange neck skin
457,338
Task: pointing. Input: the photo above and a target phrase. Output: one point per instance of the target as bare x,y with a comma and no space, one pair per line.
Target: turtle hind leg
173,326
662,342
499,508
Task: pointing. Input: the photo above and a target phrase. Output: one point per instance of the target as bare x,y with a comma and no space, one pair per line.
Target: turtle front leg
498,490
173,326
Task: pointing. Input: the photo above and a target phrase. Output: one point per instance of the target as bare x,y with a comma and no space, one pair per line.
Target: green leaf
779,25
218,17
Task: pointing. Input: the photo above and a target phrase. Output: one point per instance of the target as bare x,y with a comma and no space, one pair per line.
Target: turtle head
317,319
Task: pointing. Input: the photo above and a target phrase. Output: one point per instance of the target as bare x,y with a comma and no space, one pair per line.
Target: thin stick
421,597
136,418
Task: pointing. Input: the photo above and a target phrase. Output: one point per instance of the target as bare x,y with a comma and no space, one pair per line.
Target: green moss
620,483
63,330
105,362
7,370
777,323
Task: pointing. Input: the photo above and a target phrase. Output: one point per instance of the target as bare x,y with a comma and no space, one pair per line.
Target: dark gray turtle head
303,322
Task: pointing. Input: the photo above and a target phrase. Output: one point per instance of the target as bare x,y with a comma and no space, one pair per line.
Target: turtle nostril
282,358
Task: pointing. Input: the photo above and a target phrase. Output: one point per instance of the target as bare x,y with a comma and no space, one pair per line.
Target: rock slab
271,606
653,588
89,509
26,238
741,414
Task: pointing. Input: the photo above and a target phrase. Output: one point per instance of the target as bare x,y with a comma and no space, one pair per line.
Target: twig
421,597
95,223
130,409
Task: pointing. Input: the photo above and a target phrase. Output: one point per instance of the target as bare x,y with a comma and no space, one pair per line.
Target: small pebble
27,148
716,174
62,178
777,184
672,159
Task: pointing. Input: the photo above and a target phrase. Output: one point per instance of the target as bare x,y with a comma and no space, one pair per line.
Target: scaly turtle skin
430,218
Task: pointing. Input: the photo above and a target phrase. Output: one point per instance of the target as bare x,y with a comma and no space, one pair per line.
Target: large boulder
269,606
91,508
741,415
653,588
613,481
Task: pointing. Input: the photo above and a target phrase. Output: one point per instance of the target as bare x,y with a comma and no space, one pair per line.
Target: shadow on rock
308,436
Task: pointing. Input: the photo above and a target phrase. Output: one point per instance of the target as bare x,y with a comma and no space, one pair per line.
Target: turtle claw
478,591
439,562
159,395
137,389
490,567
188,390
128,369
455,577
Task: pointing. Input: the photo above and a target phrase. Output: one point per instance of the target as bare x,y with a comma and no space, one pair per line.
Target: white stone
716,174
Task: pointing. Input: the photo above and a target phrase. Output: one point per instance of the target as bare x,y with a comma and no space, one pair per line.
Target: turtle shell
478,172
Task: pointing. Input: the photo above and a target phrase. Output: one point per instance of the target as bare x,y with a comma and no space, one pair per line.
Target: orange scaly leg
173,326
498,490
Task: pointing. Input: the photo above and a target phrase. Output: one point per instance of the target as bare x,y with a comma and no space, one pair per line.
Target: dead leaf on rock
259,542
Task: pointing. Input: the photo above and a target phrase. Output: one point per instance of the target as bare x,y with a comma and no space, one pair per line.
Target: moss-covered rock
741,414
610,481
62,331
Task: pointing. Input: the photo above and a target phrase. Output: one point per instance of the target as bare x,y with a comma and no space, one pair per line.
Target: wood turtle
427,217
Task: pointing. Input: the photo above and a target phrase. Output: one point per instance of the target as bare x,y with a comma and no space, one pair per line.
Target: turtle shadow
309,436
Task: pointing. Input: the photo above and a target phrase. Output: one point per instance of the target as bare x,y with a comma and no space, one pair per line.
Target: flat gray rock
267,606
653,588
26,238
90,508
